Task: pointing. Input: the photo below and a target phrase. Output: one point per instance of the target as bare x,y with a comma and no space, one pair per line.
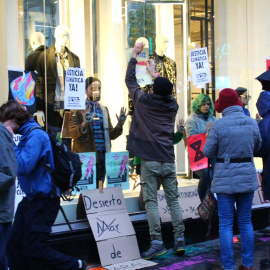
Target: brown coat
84,141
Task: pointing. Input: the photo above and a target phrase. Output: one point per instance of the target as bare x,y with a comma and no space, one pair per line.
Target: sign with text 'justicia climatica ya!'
75,89
200,68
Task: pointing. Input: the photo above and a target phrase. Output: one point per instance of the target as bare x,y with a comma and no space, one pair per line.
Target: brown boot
242,267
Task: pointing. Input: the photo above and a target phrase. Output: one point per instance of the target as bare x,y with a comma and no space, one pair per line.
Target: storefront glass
97,37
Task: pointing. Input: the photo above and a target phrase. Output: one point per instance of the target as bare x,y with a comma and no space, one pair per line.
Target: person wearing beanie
244,98
202,109
91,130
151,138
232,140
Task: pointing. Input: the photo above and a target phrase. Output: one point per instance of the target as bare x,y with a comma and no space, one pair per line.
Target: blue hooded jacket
33,178
263,106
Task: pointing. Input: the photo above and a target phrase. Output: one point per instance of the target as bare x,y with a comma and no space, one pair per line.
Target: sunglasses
208,104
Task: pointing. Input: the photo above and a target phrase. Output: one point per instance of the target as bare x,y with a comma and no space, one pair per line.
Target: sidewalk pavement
206,255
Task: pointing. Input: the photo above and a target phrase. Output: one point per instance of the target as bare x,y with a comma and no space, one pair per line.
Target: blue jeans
151,172
4,235
226,214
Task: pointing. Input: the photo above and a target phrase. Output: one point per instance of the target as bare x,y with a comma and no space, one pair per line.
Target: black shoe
156,249
179,246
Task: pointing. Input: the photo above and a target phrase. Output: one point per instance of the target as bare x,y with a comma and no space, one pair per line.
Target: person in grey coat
8,171
202,109
232,140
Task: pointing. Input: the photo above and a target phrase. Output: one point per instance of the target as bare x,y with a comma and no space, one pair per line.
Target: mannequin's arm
40,118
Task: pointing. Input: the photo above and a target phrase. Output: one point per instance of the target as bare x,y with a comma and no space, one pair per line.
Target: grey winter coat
8,171
233,136
196,124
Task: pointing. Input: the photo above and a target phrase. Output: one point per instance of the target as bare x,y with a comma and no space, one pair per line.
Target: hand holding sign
197,160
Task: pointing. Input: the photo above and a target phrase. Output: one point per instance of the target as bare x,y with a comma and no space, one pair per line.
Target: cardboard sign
197,160
88,180
188,199
75,89
18,195
112,225
200,67
142,75
258,200
118,250
103,200
117,169
131,265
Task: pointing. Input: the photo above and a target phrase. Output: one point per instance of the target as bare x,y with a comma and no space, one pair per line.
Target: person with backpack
38,210
232,140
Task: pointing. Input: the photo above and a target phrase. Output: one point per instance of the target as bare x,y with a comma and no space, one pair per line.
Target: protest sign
107,199
188,200
112,228
22,88
131,265
117,169
197,160
142,75
258,200
75,89
199,64
88,180
118,250
111,225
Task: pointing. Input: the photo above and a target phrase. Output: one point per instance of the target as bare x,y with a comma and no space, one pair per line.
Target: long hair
199,101
12,110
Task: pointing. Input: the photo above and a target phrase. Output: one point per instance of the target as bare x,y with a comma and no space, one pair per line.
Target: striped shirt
97,125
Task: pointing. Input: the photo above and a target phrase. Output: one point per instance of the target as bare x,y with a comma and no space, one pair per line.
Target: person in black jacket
151,138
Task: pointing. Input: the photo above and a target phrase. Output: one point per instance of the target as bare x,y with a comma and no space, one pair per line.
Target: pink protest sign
197,159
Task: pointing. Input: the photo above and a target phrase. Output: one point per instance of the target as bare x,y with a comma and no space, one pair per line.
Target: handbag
207,208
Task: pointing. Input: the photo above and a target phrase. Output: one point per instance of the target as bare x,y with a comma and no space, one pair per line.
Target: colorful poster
117,169
88,180
197,160
142,75
22,88
75,89
200,67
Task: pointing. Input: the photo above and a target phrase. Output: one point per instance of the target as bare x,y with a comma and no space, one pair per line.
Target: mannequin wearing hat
165,66
244,98
232,141
91,130
37,42
58,59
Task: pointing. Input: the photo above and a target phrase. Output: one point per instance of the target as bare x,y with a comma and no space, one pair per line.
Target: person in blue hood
37,211
263,106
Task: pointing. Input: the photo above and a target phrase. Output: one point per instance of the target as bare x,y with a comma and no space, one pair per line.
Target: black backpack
67,164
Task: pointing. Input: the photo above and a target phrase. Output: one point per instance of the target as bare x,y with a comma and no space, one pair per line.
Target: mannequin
58,59
165,66
37,42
